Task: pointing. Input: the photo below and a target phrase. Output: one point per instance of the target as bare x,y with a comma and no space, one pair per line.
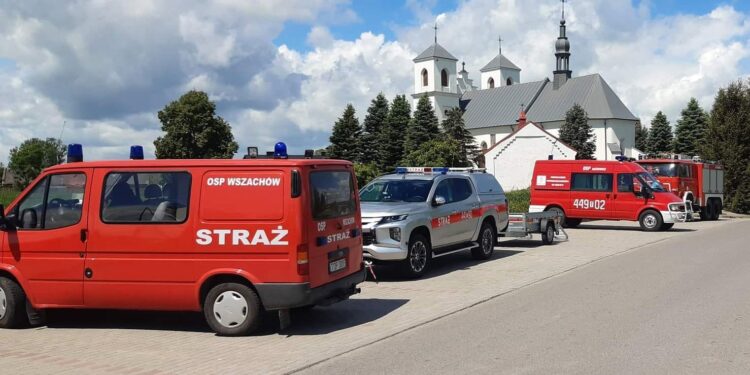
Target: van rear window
332,194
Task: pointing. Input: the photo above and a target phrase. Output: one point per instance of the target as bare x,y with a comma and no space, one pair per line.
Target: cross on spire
435,32
563,8
500,44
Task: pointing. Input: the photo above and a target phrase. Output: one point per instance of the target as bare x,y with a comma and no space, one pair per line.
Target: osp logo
586,167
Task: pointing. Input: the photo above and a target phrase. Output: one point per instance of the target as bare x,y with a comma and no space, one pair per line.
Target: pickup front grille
368,238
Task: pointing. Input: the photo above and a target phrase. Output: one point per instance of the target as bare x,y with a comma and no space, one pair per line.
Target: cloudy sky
284,70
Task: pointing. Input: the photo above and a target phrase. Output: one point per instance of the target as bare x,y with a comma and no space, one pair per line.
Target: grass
518,200
7,194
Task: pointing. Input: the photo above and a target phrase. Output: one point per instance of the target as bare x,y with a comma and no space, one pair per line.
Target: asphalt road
679,306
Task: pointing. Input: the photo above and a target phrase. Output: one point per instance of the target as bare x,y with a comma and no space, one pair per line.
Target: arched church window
444,78
509,81
424,77
484,145
491,83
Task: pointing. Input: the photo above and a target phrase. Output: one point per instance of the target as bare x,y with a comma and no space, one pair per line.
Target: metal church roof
433,51
498,106
498,62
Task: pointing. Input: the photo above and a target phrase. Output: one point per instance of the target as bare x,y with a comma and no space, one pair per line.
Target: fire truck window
332,194
592,182
64,200
29,211
625,183
146,197
684,170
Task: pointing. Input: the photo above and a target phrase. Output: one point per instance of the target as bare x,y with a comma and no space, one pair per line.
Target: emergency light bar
422,170
75,153
623,158
468,170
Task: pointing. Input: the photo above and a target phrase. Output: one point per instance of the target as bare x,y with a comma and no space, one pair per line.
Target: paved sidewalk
154,343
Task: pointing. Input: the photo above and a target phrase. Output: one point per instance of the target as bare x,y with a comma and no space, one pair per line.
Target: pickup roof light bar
422,170
468,170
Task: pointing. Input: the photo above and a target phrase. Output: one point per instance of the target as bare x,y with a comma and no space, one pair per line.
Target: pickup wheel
548,236
232,309
418,257
650,221
12,304
487,242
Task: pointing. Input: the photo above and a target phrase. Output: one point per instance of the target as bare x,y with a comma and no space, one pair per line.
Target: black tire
36,318
650,221
487,242
715,209
564,221
548,235
667,226
12,304
242,312
418,257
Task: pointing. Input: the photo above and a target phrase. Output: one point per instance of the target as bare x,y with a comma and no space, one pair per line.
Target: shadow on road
350,313
630,228
387,272
136,320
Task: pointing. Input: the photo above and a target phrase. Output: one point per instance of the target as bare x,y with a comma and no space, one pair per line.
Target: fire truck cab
230,238
699,184
603,190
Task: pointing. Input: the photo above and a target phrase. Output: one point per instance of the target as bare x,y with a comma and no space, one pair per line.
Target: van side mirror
438,201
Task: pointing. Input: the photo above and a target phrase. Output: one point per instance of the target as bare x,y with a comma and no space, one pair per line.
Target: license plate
336,265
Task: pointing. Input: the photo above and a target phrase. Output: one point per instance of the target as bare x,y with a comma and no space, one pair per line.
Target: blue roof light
136,152
279,151
75,153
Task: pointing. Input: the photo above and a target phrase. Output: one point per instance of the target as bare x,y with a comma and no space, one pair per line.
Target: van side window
625,183
55,202
146,197
592,182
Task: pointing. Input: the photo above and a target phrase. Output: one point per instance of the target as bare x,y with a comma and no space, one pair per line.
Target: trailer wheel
487,242
232,309
650,221
12,304
548,236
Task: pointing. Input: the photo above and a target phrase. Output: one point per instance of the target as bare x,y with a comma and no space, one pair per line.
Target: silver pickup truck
416,214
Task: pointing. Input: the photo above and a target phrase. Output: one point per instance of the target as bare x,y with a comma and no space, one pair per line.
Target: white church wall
429,65
622,131
514,75
485,134
443,103
495,75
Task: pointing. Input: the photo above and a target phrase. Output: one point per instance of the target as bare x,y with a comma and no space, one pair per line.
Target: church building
493,110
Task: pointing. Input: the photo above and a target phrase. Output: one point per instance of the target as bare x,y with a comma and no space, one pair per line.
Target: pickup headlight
677,207
393,219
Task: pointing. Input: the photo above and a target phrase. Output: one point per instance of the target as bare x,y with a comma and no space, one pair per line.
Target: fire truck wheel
487,242
232,309
666,226
12,304
418,258
713,210
650,221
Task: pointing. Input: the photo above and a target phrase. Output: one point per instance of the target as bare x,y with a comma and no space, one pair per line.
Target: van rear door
335,241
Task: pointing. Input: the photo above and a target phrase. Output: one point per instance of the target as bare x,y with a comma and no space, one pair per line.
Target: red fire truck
699,184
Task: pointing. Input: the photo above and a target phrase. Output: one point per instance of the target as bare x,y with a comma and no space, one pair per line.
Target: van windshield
332,194
396,191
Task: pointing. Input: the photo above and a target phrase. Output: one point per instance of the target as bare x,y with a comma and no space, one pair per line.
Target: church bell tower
435,76
562,52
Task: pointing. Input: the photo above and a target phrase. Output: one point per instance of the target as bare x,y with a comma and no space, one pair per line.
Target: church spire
562,52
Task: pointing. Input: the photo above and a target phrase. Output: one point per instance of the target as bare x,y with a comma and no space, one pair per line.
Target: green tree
691,129
193,130
346,136
660,135
444,152
455,128
641,137
365,173
577,133
32,156
392,144
372,136
727,142
423,127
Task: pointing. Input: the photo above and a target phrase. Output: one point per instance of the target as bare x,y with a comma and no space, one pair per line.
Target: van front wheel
232,309
12,304
650,221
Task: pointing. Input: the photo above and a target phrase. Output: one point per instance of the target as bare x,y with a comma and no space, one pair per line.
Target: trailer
548,224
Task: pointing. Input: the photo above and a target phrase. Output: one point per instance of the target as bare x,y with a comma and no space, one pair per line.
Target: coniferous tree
577,133
455,128
641,137
392,143
660,135
691,129
727,141
345,136
438,152
372,136
423,127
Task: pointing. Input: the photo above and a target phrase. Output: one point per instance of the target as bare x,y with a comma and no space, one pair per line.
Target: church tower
499,71
562,52
435,76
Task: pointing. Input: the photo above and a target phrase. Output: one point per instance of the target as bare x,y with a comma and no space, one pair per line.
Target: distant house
6,177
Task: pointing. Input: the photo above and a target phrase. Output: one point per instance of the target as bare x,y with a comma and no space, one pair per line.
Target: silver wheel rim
230,309
3,303
649,221
487,241
418,256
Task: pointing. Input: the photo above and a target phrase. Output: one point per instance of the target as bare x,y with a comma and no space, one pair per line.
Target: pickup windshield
332,194
396,191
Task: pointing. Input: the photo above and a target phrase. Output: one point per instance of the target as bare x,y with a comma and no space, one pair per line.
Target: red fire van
226,237
603,190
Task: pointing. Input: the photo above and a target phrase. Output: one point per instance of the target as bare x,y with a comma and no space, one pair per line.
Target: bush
7,194
518,200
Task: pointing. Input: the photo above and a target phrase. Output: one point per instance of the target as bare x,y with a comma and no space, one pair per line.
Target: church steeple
562,52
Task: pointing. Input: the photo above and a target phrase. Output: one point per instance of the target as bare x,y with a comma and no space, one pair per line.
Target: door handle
606,195
84,235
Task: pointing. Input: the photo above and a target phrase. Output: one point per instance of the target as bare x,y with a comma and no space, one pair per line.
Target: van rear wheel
650,221
232,309
12,304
